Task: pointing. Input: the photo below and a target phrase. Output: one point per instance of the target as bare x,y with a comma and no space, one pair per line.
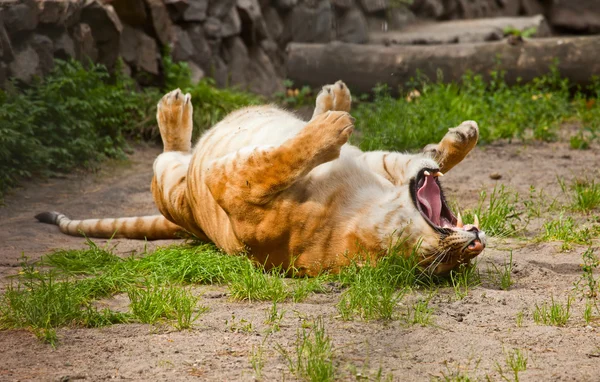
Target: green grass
420,313
313,354
502,275
586,195
61,289
554,313
589,283
516,362
503,112
497,212
565,229
464,279
154,302
373,290
253,283
41,302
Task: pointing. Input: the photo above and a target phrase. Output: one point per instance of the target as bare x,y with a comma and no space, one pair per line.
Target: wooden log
364,66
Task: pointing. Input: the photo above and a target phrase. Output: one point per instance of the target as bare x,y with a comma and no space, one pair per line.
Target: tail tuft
49,217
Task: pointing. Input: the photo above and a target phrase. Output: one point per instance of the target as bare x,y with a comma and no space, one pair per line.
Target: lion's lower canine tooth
459,222
426,173
439,173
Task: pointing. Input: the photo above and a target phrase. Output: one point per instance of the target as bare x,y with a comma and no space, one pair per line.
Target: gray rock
399,17
181,45
212,27
59,11
231,24
532,7
351,26
64,47
202,52
262,74
45,50
218,71
581,15
433,9
106,29
177,8
461,31
103,21
161,22
254,26
343,4
197,73
235,55
85,46
219,8
309,24
273,22
196,11
285,5
6,50
132,12
19,17
25,64
139,50
372,6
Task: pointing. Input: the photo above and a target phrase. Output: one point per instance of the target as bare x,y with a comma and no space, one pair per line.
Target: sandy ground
470,336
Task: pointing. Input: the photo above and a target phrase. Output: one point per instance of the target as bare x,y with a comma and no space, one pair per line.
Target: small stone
495,176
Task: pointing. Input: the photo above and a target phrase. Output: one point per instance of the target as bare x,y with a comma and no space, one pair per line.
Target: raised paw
329,132
334,97
174,116
455,145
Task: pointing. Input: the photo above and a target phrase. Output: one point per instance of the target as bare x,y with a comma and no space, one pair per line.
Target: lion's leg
334,97
455,145
452,149
174,116
256,175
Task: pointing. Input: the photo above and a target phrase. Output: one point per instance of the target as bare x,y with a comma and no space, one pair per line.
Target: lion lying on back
292,193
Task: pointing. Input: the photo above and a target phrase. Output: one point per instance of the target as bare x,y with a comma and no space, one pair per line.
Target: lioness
292,193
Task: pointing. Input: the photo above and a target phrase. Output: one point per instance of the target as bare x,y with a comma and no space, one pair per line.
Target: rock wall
237,42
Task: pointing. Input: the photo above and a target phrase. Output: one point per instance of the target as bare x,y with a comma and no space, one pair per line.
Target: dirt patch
471,336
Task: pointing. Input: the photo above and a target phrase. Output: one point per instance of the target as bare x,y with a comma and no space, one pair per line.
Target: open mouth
429,199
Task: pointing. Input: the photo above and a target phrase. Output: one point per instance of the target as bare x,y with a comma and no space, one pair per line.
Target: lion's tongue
430,199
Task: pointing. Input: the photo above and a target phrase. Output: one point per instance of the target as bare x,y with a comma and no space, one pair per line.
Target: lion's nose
476,245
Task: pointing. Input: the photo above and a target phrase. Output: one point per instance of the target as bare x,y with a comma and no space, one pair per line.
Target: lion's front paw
329,132
334,97
174,116
455,145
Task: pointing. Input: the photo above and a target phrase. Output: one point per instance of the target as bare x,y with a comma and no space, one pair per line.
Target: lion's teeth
426,173
439,173
459,222
476,222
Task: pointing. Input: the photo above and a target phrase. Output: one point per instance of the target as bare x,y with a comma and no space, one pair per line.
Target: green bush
75,116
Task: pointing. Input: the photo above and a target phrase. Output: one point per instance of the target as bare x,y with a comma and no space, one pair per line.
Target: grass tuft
554,313
312,359
497,214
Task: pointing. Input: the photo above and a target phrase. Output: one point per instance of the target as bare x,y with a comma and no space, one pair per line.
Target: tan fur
291,193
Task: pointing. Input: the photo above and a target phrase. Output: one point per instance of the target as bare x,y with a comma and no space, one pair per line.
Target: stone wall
237,42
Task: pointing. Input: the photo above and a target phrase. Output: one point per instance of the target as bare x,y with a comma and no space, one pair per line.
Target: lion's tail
143,227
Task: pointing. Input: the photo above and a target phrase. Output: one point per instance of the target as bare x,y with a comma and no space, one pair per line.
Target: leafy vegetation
533,110
77,116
